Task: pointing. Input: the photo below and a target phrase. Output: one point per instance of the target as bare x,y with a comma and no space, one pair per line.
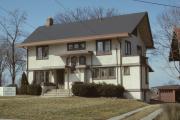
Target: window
82,60
42,52
104,73
76,46
68,61
96,73
73,61
127,48
126,70
103,47
41,76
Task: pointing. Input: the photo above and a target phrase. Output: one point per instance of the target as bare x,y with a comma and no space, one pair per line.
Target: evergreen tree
24,84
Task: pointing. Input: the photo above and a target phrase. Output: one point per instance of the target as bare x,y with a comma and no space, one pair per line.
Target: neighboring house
168,93
110,50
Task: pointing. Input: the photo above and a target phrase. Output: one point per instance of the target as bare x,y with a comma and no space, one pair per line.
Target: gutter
74,39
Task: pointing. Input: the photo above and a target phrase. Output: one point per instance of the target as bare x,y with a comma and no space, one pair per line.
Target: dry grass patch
76,108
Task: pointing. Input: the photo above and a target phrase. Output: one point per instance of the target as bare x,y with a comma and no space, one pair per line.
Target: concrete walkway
120,117
153,115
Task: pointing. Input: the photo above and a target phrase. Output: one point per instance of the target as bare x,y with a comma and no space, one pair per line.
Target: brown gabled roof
170,87
107,26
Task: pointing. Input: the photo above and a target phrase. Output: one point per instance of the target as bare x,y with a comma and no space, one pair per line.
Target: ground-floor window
41,76
104,73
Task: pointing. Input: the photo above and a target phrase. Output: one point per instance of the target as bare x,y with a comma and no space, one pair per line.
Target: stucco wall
129,82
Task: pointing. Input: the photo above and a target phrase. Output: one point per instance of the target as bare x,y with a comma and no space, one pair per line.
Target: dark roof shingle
116,24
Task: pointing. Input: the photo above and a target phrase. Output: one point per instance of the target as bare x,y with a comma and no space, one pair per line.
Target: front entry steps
58,93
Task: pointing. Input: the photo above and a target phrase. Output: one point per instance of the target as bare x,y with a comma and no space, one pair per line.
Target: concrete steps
58,93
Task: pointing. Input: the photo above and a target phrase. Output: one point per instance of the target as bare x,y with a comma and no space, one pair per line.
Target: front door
60,78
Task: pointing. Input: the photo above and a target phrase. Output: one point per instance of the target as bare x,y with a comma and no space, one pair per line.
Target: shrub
97,90
24,84
34,89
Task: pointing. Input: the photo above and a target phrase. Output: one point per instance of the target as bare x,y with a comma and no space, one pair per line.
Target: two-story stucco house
110,50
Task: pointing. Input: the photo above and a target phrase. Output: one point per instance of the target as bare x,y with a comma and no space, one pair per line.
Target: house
110,50
168,93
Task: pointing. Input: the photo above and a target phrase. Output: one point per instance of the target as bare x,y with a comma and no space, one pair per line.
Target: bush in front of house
24,84
34,89
97,90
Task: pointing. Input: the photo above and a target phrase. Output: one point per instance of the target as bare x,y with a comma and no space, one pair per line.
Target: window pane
100,46
96,73
45,52
104,73
111,72
67,61
76,46
107,46
70,46
82,45
39,52
82,60
74,60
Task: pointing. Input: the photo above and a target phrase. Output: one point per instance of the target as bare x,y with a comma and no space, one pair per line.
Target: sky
39,10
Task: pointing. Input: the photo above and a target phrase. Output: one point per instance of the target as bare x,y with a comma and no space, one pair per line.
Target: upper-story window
42,52
103,47
76,46
127,48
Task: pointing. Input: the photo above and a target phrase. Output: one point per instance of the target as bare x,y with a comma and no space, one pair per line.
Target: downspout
27,67
121,64
91,67
68,80
117,67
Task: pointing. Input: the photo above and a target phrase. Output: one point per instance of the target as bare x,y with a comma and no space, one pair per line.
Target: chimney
49,22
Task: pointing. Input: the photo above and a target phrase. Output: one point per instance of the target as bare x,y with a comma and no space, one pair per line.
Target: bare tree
168,20
12,31
86,13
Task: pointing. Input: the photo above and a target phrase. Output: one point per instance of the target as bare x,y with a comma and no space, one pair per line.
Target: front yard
76,108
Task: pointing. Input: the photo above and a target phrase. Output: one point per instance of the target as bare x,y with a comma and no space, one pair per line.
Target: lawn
76,108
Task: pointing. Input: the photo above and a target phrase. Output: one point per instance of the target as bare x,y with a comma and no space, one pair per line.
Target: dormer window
42,52
76,46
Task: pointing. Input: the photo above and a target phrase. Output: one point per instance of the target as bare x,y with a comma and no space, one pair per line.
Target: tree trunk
13,64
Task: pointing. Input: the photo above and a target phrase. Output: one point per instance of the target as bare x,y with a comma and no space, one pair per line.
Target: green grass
76,108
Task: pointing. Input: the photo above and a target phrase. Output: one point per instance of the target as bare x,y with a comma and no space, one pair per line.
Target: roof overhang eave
74,39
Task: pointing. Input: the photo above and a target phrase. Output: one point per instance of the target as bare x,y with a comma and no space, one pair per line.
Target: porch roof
78,52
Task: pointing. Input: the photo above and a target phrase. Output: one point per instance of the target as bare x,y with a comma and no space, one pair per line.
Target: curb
153,115
127,114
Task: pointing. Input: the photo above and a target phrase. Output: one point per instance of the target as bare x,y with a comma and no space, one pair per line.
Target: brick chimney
49,22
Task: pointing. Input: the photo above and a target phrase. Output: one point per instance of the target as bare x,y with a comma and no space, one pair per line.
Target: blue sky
39,10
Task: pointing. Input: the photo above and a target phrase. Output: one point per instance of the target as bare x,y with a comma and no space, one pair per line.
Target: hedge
34,89
97,90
